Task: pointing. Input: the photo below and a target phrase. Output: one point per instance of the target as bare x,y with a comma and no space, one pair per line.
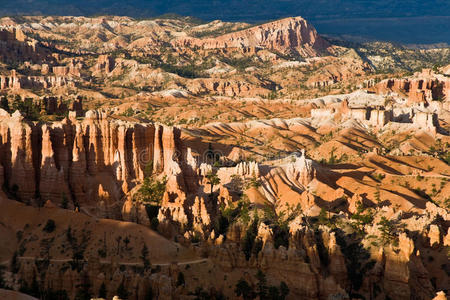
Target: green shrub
244,289
388,231
50,226
122,291
180,279
14,265
151,191
249,239
144,257
154,223
102,291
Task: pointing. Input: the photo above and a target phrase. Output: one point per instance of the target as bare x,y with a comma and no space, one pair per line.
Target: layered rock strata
82,160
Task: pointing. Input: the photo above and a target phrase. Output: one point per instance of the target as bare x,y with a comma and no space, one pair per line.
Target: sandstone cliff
418,90
288,36
82,160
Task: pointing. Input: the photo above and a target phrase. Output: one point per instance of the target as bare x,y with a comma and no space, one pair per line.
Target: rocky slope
422,88
288,36
167,159
96,162
116,57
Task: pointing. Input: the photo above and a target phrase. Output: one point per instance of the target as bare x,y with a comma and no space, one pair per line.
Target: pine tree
262,285
284,290
213,180
14,263
64,201
102,291
144,257
83,292
122,291
4,103
244,289
180,279
387,229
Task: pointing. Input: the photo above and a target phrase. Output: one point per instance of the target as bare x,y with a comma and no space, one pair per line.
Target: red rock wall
75,159
417,90
286,35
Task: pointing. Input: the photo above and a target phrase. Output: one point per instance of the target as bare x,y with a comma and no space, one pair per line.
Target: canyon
163,159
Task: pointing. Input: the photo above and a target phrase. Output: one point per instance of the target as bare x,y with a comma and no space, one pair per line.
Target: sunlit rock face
83,160
290,35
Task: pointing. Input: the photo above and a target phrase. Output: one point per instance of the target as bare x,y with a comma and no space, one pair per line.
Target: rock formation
16,82
16,46
75,159
290,35
104,65
418,90
189,173
301,170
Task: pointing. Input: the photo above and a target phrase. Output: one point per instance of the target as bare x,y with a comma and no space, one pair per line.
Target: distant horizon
408,22
333,28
